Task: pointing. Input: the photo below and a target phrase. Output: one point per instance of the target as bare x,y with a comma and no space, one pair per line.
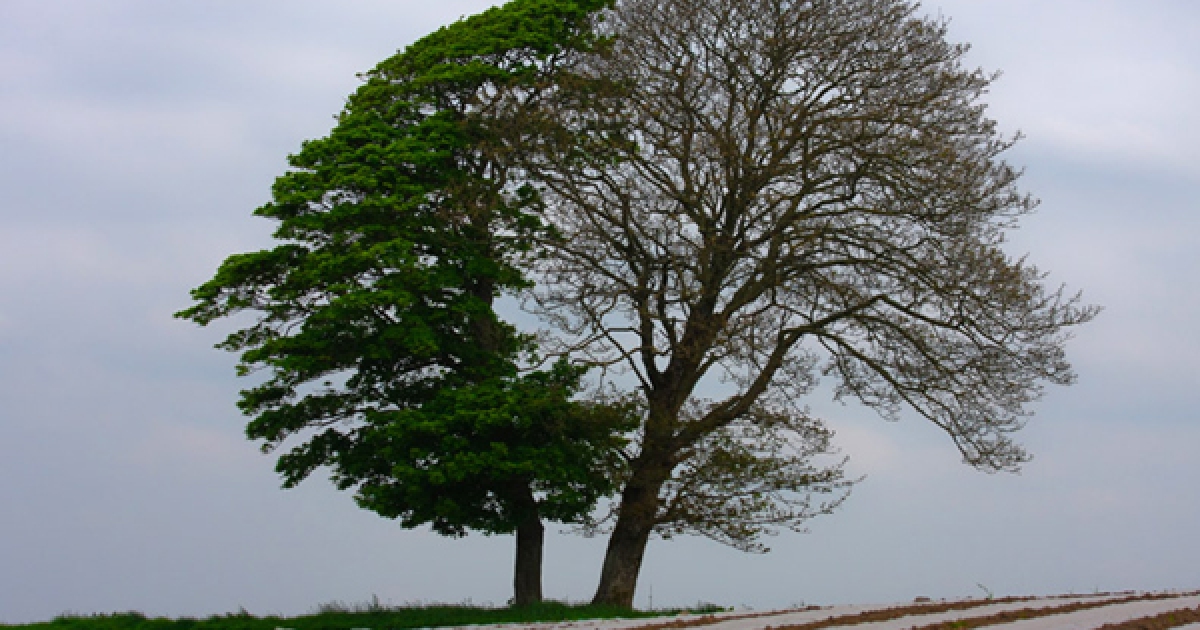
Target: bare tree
774,189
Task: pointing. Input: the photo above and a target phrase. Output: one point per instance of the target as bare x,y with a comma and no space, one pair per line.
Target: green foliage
452,461
374,321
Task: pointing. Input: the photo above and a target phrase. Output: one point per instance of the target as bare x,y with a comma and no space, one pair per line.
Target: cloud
1105,80
147,99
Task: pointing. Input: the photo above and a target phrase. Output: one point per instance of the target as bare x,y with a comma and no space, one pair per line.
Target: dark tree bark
527,575
627,544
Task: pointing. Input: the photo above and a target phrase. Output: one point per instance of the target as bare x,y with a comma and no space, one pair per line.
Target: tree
772,189
374,314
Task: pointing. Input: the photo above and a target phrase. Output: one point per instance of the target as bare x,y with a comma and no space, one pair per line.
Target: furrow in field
1015,613
1136,612
1182,619
1085,610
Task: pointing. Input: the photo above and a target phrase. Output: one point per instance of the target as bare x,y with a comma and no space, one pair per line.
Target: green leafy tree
373,315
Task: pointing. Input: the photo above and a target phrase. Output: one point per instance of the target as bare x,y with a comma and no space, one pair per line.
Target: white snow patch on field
1087,619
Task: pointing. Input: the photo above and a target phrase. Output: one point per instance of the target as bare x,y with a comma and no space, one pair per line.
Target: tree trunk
627,544
527,576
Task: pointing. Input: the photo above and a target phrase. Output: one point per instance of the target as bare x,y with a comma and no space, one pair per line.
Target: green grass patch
373,615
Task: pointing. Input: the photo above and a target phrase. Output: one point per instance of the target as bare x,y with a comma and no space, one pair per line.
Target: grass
371,615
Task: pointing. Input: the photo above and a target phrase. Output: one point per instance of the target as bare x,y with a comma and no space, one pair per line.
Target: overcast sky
136,138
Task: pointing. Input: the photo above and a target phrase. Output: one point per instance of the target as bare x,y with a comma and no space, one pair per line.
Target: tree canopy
724,199
789,190
374,313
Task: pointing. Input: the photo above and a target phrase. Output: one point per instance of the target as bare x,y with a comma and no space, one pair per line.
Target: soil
1172,619
1031,613
1166,620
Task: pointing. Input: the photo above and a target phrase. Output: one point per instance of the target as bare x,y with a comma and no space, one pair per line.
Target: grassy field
362,616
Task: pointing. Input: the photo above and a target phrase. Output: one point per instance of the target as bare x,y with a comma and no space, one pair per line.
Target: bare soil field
1110,611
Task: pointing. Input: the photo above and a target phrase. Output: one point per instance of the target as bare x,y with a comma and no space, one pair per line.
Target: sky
137,137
